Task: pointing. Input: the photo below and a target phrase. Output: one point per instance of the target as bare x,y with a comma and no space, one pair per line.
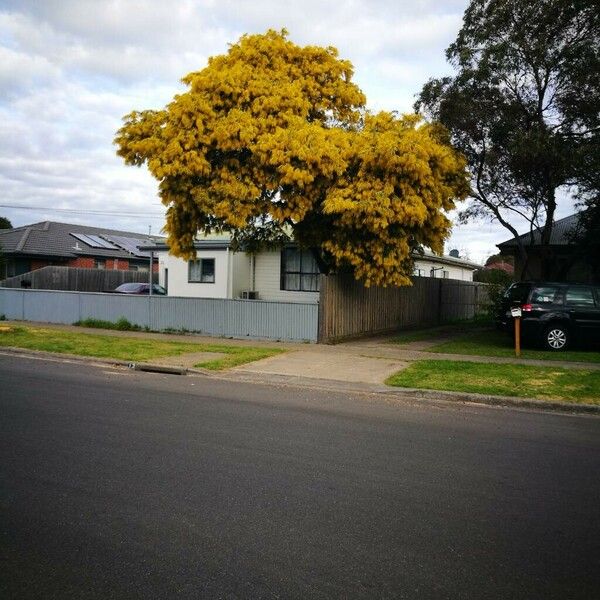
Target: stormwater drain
158,369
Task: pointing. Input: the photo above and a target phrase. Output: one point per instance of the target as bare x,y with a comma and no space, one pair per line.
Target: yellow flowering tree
273,138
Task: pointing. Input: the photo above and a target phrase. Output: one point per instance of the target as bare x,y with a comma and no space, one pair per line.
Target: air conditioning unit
249,295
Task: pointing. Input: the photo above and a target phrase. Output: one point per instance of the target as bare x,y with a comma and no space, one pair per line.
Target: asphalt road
118,484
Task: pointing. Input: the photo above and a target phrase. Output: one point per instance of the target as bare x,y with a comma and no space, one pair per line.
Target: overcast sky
70,69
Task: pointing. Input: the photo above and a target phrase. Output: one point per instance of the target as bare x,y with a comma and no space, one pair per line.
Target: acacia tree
523,107
272,138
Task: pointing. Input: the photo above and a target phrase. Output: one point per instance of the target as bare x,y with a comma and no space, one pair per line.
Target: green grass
129,348
498,343
447,330
237,355
545,383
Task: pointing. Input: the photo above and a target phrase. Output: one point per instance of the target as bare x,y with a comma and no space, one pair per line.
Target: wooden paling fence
75,279
347,309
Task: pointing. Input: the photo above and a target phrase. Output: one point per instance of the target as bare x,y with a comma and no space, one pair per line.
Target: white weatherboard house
444,267
285,275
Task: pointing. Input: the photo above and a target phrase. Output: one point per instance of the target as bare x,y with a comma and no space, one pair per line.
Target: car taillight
527,308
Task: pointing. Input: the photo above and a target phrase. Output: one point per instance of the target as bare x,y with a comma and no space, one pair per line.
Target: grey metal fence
217,317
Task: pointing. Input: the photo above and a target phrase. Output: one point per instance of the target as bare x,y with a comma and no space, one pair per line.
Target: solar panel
94,241
102,243
130,244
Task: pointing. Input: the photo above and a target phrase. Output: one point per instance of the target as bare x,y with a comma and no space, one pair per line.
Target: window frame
201,261
300,273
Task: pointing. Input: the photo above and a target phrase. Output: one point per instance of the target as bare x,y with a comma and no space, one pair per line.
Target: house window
299,271
419,273
100,263
445,274
201,271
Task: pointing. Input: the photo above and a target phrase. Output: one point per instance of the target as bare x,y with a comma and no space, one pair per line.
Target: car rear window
580,296
545,294
517,292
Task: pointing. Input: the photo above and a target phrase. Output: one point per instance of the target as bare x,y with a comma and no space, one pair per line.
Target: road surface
119,484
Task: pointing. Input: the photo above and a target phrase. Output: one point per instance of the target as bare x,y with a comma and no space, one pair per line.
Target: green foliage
124,325
493,276
523,107
495,296
498,281
121,325
5,223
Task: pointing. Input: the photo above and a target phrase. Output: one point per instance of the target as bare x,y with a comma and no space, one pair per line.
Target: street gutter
403,394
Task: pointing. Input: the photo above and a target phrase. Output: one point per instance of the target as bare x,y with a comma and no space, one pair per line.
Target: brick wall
89,262
82,262
86,262
38,264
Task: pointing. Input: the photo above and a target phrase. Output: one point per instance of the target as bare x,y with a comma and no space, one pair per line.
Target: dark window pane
310,283
194,270
208,270
292,260
517,292
291,282
309,264
580,296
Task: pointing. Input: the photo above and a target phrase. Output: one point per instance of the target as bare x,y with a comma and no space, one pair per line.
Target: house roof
224,244
66,240
446,260
218,244
559,236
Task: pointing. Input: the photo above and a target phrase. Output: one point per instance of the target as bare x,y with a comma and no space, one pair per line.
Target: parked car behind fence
140,288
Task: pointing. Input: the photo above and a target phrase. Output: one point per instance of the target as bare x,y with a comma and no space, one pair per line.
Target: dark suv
555,314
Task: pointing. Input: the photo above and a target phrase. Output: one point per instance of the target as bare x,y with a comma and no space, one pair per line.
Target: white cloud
70,69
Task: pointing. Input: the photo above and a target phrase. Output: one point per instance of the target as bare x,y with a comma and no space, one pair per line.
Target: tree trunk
547,258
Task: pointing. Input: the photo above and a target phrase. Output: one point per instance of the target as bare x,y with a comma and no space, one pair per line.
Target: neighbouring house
501,266
444,267
32,247
568,263
288,274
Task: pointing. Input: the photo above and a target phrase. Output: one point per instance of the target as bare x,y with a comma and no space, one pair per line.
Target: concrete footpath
361,365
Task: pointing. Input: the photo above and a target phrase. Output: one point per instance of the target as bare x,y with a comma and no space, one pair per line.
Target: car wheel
556,337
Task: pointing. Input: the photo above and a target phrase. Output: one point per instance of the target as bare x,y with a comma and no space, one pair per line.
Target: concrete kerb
401,394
